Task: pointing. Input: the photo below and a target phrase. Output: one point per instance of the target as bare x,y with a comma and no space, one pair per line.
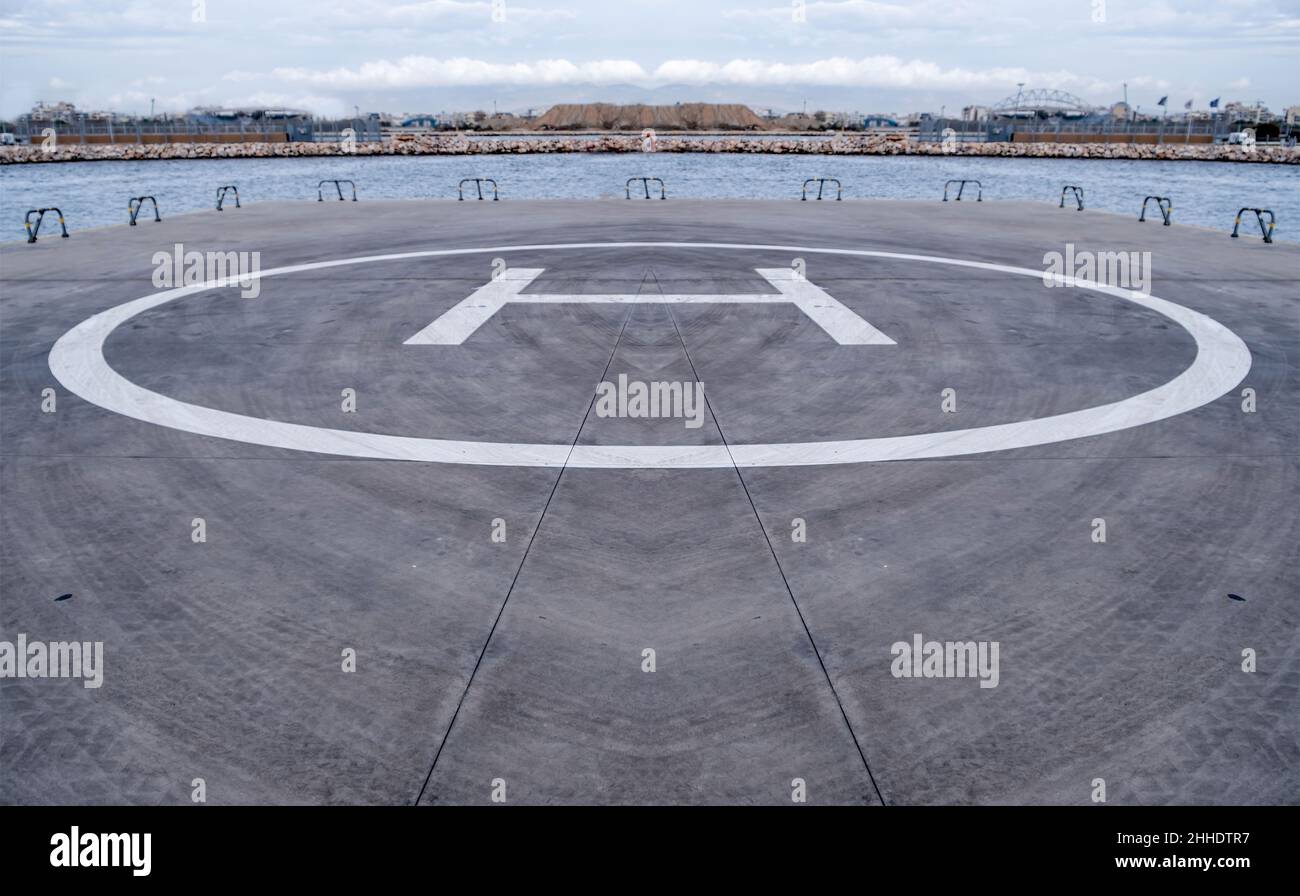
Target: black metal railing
961,186
136,203
1163,203
40,216
1265,230
645,183
478,183
338,186
221,195
821,183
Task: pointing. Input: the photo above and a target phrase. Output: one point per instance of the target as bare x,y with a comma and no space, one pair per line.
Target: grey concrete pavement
522,660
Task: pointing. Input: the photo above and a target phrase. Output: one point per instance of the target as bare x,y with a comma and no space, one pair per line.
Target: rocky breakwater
459,144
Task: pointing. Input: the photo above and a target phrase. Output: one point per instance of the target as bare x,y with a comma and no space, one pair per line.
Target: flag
1214,103
1163,100
1187,105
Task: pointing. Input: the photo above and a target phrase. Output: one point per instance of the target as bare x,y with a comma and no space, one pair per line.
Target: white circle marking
77,361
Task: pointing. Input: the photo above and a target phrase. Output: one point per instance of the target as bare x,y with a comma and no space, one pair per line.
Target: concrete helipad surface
501,556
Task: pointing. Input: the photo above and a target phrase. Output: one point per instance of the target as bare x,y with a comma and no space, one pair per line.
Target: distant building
1237,111
1042,104
247,113
67,112
60,111
417,120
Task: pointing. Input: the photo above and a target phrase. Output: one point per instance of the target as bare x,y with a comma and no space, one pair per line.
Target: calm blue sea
94,194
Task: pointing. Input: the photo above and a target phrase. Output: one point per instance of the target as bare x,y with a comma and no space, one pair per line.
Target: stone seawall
842,145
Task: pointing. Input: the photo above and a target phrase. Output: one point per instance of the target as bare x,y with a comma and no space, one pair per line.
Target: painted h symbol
461,321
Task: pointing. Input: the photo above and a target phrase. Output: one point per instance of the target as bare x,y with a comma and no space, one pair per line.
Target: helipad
393,451
1222,360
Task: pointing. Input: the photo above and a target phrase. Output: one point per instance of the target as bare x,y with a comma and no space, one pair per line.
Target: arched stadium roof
1042,103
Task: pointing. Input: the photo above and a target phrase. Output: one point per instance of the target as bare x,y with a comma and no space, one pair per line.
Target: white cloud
870,71
139,100
425,71
369,14
1207,18
911,54
873,14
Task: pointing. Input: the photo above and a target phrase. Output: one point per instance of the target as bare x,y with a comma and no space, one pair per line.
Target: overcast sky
329,55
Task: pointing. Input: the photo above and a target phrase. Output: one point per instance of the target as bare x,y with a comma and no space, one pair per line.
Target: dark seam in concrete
522,560
788,590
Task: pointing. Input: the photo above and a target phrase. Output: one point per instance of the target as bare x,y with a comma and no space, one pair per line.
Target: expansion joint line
775,559
522,560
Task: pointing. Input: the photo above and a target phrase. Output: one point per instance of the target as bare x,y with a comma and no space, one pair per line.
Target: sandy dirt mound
681,117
